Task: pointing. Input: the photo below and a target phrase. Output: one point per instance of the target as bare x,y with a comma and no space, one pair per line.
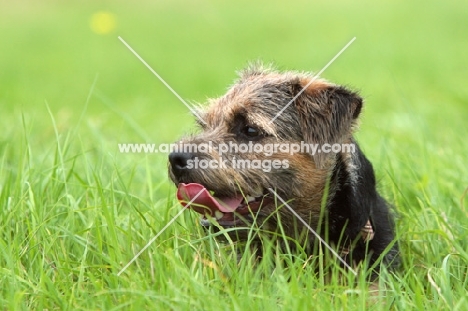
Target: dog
334,193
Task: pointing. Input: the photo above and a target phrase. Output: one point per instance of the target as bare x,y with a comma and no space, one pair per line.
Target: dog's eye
251,132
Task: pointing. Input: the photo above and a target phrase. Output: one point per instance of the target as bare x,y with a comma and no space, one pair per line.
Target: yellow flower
103,22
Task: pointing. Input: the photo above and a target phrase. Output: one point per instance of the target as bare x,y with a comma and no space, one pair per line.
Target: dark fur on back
354,202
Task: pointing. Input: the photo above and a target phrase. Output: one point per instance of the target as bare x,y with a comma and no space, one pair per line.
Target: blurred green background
409,62
73,210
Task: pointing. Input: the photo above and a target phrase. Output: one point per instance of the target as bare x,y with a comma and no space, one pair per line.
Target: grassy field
74,211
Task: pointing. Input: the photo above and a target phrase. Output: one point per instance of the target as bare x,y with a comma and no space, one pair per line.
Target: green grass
74,211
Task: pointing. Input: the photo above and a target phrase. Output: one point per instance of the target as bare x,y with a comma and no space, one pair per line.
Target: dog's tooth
219,215
258,192
249,198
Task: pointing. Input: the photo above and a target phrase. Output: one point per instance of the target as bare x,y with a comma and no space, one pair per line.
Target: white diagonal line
314,232
159,233
313,79
162,80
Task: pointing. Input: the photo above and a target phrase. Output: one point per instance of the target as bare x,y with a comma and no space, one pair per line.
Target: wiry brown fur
323,113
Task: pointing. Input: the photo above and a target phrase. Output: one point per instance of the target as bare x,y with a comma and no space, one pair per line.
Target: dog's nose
179,161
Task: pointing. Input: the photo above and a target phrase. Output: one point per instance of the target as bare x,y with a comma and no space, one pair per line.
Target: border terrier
335,193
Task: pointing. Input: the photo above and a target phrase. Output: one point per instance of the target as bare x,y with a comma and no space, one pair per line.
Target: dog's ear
327,113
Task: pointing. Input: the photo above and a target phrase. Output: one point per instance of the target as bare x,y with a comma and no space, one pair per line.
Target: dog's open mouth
228,211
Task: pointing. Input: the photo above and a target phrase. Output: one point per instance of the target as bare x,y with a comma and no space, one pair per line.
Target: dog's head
265,111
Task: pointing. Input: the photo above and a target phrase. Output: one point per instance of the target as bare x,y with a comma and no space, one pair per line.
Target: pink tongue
205,201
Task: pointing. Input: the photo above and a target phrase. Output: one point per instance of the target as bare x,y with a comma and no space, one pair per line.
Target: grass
74,210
